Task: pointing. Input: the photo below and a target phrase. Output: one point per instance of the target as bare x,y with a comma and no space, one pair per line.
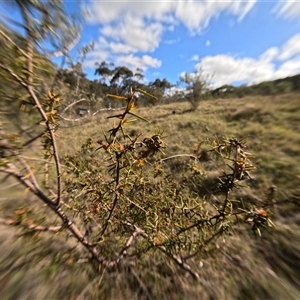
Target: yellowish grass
242,267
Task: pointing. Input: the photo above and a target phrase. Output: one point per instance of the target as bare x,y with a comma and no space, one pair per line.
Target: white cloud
121,48
291,48
241,8
130,27
207,43
105,12
269,55
134,62
287,9
289,68
135,33
117,53
274,63
195,15
98,55
226,69
113,47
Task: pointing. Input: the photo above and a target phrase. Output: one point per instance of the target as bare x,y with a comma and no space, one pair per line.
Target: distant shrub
284,87
196,87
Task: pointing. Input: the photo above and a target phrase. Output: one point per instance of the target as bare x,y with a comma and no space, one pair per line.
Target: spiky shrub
123,207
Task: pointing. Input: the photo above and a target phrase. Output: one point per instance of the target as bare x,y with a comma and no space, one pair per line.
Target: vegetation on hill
164,197
275,87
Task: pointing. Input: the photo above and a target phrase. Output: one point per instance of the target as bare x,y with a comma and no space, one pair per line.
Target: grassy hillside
271,124
244,267
274,87
240,266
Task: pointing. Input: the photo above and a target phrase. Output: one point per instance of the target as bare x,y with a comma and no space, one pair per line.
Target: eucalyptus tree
139,74
104,71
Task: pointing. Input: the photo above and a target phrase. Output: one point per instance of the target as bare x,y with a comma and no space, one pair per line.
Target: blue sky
231,42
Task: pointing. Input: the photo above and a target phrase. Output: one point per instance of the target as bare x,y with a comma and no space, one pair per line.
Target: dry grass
242,266
270,123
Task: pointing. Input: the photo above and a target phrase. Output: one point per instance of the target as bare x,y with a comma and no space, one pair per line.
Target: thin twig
128,244
115,199
12,42
175,258
29,87
12,170
67,222
180,155
14,75
29,171
33,227
41,160
33,139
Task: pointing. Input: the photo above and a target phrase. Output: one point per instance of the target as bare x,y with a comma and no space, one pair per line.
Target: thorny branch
128,244
12,42
175,258
29,87
67,222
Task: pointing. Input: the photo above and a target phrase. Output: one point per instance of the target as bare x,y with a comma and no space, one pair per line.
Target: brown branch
12,42
94,114
53,139
116,198
175,258
33,227
14,75
29,87
67,222
12,170
128,244
180,262
33,139
232,179
180,155
29,171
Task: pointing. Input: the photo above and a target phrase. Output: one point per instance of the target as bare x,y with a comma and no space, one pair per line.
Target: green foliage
136,202
284,87
275,87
